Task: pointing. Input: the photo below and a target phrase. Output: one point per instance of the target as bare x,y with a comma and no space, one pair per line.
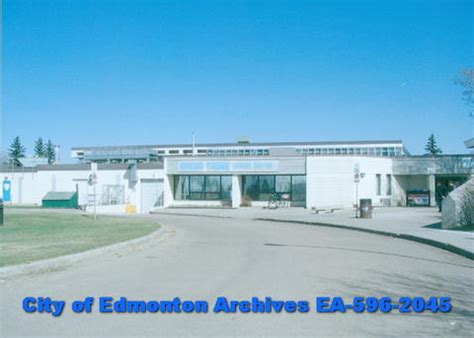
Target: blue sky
144,72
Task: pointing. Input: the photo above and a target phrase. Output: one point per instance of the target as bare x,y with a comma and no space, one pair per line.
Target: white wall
31,187
330,180
144,174
236,191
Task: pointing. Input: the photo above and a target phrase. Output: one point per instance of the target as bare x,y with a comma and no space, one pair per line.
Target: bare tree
465,79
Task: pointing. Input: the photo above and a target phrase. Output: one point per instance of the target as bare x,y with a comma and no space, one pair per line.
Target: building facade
311,175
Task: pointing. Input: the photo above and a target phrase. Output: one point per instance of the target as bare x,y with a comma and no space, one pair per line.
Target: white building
309,174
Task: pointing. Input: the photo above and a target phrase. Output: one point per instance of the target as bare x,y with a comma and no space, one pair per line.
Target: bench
329,209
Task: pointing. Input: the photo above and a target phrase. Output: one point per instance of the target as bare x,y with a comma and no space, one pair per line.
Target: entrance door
151,194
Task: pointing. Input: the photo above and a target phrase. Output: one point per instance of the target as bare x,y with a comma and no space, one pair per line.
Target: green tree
40,150
49,152
16,152
465,79
431,147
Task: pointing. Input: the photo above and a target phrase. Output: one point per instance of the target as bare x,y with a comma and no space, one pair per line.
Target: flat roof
250,144
81,167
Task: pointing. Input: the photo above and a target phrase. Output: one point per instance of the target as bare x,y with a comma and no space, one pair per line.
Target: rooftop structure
152,153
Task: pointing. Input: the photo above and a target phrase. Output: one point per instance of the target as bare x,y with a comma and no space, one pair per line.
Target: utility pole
93,182
194,143
356,181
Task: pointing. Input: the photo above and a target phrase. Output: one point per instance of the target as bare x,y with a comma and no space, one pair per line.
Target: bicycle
274,201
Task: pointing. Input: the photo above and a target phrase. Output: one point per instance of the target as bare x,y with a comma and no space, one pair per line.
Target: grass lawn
30,235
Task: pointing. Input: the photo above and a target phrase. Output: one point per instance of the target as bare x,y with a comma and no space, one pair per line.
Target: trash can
1,211
365,208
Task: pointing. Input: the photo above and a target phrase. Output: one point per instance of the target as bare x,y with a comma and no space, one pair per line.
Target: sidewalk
407,223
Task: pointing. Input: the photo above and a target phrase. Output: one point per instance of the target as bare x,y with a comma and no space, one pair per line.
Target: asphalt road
203,258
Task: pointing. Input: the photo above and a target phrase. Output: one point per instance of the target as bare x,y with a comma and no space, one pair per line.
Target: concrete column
432,187
168,191
236,191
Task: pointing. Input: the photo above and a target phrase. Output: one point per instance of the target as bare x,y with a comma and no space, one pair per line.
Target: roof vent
243,140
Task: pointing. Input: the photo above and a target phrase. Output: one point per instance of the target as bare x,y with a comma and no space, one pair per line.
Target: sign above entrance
228,166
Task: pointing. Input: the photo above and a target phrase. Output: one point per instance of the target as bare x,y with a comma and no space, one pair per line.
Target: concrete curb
187,214
59,263
444,246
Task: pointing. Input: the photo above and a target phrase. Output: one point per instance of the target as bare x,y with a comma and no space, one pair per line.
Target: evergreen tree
49,152
16,152
431,147
40,150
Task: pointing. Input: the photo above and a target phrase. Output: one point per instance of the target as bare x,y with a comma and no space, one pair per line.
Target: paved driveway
203,258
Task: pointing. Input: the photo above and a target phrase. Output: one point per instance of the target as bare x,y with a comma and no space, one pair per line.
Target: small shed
60,199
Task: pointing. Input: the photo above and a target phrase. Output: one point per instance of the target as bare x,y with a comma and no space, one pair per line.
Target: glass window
196,187
378,184
202,187
298,188
212,183
181,186
283,184
266,185
226,187
251,187
260,188
212,187
389,185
